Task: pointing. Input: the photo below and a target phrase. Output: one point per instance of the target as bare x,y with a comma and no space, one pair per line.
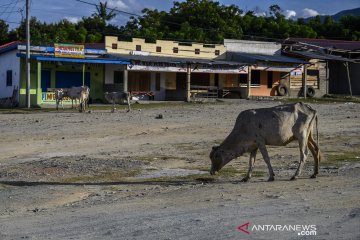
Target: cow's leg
113,107
251,166
128,102
57,104
314,148
266,157
303,155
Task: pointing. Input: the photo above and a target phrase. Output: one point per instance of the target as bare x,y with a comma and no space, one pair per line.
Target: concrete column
348,77
304,82
188,82
38,85
248,93
125,80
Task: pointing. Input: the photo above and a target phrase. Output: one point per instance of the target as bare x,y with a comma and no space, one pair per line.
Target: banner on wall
195,68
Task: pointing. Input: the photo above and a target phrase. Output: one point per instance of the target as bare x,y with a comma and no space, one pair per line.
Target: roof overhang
321,56
256,58
173,60
74,60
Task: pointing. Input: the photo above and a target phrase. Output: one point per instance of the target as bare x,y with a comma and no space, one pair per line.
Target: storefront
50,70
166,78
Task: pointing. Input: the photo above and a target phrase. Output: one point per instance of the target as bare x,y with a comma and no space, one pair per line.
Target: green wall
96,79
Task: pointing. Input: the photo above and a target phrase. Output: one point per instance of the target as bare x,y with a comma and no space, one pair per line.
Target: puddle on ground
168,172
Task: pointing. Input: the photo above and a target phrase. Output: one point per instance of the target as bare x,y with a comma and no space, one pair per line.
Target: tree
4,28
275,11
102,12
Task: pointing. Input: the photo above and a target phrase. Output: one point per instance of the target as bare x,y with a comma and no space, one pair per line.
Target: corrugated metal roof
254,58
317,55
326,43
175,60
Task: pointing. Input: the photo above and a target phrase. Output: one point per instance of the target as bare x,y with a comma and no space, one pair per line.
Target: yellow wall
167,47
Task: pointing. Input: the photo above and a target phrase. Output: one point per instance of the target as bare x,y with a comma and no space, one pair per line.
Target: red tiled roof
10,44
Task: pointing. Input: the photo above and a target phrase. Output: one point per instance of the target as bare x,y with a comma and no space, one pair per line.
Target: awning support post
304,82
248,92
188,82
348,76
83,74
126,76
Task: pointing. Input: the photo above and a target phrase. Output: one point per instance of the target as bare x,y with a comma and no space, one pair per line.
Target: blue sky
54,10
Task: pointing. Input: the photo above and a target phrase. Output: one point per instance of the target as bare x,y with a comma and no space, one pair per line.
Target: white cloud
260,14
289,14
72,19
307,12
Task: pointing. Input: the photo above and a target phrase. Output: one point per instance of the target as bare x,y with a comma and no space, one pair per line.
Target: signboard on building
49,98
196,68
69,50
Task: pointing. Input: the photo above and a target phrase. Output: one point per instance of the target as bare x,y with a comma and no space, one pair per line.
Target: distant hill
337,16
354,12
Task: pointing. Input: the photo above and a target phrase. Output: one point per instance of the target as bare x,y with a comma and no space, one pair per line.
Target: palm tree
102,12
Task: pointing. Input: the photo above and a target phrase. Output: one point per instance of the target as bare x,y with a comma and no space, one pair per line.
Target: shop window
269,79
139,81
255,77
175,50
9,78
200,79
114,46
312,72
197,51
243,79
158,49
217,52
138,47
118,77
157,82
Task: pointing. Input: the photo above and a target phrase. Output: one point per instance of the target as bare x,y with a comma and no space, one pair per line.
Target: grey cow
114,97
276,126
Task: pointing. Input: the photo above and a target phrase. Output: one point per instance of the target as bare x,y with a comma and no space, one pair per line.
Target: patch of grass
338,159
185,146
152,158
4,186
120,107
326,99
110,176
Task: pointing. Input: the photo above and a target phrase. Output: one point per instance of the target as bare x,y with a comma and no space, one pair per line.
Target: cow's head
219,158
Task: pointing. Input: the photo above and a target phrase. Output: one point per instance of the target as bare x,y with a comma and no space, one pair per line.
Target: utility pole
28,53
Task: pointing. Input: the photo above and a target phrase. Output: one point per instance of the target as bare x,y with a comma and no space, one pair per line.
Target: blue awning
76,60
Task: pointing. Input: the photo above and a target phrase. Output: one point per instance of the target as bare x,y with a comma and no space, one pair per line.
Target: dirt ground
144,175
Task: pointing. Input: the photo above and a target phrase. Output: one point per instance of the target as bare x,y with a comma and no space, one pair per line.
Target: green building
63,66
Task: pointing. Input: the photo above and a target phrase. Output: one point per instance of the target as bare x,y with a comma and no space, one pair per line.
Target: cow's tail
316,124
317,130
317,133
